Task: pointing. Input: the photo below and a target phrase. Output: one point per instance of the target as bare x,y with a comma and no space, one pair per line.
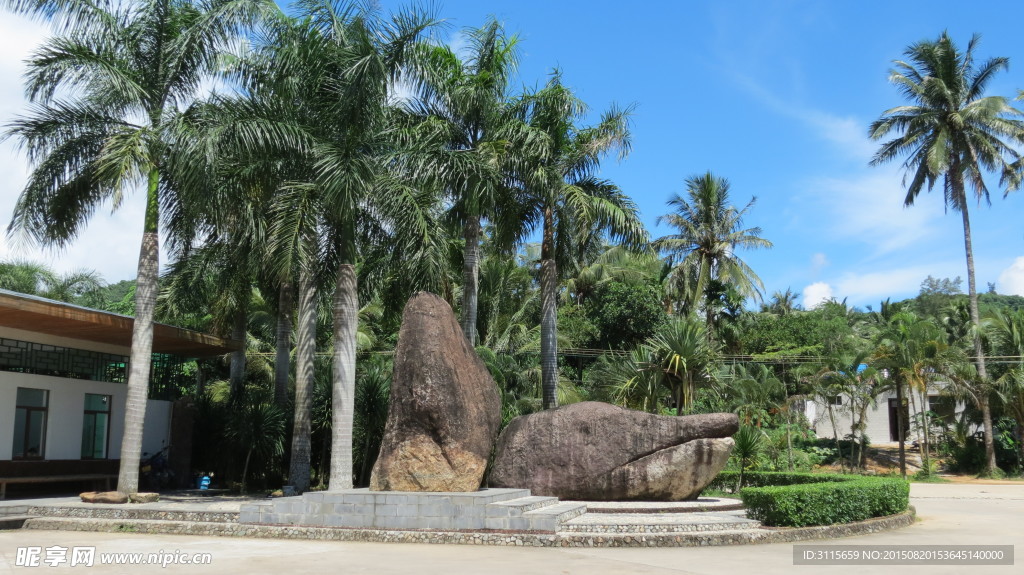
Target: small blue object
204,482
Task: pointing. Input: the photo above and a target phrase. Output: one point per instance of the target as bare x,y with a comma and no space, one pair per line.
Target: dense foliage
359,159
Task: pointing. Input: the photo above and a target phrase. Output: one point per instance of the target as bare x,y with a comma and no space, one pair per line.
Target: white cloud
847,133
868,208
1011,280
817,294
819,261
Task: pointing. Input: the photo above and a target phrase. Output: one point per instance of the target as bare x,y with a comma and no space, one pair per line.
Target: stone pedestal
484,510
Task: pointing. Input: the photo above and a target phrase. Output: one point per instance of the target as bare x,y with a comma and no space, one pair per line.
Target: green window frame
96,426
30,415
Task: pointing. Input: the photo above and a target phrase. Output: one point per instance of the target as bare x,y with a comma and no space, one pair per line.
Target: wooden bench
94,477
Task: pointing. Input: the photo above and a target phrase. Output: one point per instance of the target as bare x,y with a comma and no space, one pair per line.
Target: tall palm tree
953,132
127,70
702,252
320,102
467,137
574,206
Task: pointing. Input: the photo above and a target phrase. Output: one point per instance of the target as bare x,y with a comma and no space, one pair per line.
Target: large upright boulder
445,408
597,451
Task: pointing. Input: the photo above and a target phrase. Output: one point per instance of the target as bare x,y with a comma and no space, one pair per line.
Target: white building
881,416
63,373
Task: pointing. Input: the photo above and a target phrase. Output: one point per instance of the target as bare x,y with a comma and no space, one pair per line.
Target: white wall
66,413
877,424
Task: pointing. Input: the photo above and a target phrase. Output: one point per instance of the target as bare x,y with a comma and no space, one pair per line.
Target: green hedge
727,480
802,499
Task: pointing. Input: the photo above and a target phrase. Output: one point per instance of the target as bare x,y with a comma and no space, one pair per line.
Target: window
30,423
836,400
95,426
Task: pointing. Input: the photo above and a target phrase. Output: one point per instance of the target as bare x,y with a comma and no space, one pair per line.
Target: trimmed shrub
728,480
803,499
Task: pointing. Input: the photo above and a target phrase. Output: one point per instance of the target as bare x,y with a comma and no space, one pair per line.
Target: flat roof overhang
32,313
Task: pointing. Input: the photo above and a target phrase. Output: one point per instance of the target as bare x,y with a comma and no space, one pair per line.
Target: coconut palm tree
109,92
782,303
702,253
953,132
574,207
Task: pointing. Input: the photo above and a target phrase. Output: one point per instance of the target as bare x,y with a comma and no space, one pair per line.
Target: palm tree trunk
916,412
979,352
470,277
284,344
298,468
346,314
549,314
899,429
142,343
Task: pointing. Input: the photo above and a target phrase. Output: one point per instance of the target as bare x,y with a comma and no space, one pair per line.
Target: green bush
802,499
728,480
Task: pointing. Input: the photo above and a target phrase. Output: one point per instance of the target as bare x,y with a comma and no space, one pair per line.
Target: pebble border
523,539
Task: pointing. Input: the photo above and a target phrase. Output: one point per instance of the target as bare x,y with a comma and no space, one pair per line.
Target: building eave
32,313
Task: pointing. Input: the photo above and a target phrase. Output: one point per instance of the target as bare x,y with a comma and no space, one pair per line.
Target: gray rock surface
445,408
597,451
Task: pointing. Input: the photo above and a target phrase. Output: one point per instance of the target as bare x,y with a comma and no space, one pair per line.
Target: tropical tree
702,253
323,103
575,208
109,92
754,393
685,358
83,287
953,132
782,303
464,138
1009,333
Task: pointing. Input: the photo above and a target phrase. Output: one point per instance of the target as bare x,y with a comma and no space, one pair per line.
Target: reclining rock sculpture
597,451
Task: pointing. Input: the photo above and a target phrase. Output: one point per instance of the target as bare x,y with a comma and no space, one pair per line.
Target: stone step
524,504
107,525
129,512
682,539
13,510
559,539
10,521
621,523
550,517
702,505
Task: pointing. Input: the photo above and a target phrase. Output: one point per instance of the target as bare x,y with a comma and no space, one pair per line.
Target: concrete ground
949,514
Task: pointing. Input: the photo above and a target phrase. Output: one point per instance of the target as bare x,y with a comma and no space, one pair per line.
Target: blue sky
774,96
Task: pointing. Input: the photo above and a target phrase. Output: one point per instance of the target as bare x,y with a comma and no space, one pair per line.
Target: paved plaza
949,514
